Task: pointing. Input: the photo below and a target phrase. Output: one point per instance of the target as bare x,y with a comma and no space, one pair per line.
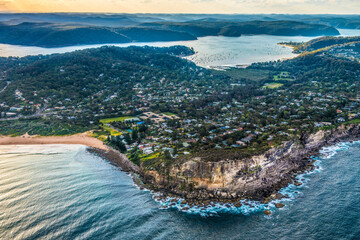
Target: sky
184,6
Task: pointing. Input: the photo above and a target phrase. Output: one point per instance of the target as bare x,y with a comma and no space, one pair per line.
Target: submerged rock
267,212
279,205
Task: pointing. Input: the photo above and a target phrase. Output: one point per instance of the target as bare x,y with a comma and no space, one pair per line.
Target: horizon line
179,13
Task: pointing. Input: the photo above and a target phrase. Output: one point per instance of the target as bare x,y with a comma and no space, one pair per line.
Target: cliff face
257,177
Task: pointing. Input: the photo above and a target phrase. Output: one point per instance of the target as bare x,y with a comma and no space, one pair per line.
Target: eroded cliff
258,177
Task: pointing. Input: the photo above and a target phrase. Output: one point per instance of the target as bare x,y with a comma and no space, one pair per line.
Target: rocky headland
257,178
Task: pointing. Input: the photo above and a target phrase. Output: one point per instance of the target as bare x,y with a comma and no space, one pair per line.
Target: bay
210,51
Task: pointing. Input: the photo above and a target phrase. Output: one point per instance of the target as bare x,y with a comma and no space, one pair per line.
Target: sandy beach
83,139
96,147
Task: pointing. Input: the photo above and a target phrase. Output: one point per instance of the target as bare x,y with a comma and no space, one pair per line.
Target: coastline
82,139
94,146
289,46
280,166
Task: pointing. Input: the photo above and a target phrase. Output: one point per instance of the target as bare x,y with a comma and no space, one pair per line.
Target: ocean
64,192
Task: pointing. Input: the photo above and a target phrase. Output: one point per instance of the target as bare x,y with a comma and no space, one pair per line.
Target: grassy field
354,121
151,156
117,119
169,114
273,85
251,74
112,131
283,76
101,135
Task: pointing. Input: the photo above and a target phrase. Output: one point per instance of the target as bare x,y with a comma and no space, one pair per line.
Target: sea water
64,192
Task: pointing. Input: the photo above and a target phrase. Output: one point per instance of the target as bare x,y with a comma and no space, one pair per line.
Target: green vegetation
283,76
231,114
320,43
55,35
272,85
60,34
169,114
100,134
111,130
354,121
116,119
236,29
246,73
42,127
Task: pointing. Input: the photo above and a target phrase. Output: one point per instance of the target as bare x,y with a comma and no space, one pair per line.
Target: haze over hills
60,34
235,29
121,20
65,29
118,20
52,35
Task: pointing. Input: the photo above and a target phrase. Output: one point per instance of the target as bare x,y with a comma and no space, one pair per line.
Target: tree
203,132
135,156
174,135
128,139
121,146
134,135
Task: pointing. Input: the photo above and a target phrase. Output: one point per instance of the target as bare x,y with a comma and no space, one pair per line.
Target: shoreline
293,159
82,139
296,164
94,146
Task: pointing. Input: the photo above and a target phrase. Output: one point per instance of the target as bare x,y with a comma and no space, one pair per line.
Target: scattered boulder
279,205
297,184
279,196
267,212
237,204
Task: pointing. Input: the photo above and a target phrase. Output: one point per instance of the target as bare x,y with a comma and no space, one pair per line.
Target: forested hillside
60,34
77,76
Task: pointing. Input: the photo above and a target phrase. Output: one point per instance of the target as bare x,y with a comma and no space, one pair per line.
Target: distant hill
93,19
212,27
55,35
346,22
131,20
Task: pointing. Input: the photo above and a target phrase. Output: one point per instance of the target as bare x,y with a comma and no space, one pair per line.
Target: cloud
187,6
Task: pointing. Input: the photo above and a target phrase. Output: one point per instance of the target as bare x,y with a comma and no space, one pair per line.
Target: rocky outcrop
259,177
117,158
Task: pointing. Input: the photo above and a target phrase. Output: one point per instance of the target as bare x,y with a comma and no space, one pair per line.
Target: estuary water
64,192
210,51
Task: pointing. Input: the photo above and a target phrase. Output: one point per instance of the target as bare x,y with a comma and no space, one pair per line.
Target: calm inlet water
210,51
63,192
